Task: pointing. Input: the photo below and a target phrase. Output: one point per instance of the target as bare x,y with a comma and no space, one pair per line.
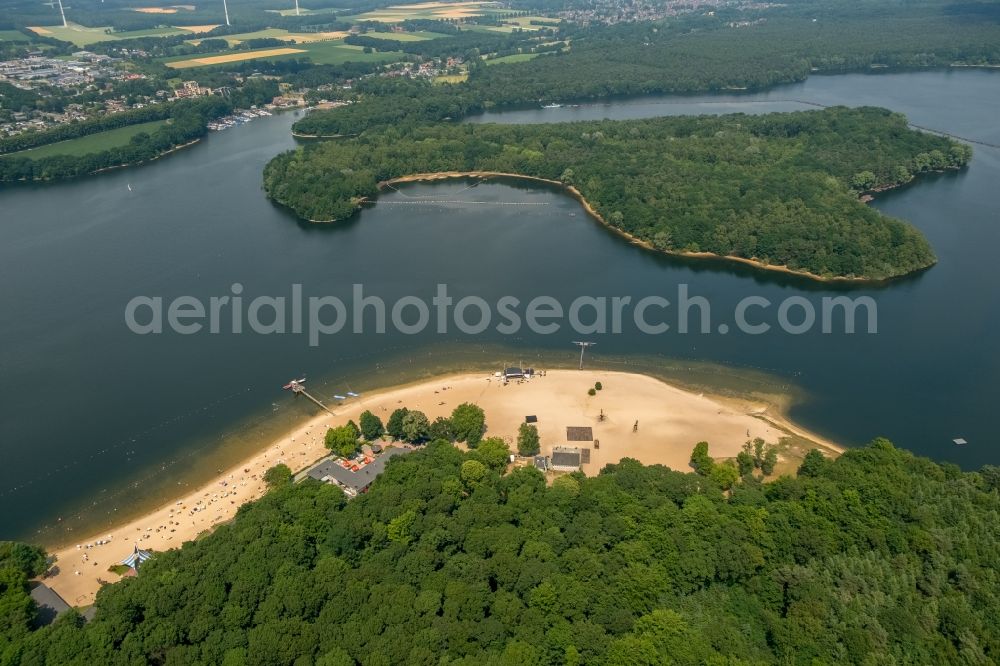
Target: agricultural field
92,143
418,36
429,10
83,36
517,57
278,33
524,22
232,56
492,28
335,53
198,29
303,11
164,10
13,36
331,52
518,23
451,78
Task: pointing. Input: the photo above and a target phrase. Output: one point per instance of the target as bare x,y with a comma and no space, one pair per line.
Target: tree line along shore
184,122
877,554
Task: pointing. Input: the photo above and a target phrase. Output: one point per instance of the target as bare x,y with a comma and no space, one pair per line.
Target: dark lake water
96,421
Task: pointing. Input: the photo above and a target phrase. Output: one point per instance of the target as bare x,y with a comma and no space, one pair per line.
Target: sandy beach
670,422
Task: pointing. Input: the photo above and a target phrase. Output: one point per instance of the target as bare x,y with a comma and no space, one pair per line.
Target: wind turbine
296,7
225,8
62,13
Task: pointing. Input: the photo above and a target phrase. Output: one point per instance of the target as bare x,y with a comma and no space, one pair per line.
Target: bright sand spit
156,10
198,29
39,30
232,57
671,421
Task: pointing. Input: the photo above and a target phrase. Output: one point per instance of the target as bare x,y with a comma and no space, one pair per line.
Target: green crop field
418,36
83,36
13,36
92,143
276,33
336,52
331,52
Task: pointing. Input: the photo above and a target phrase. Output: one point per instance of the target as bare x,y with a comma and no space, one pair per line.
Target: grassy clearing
525,21
451,78
92,143
419,36
517,57
13,36
84,36
335,53
303,11
495,28
331,52
239,56
198,29
276,33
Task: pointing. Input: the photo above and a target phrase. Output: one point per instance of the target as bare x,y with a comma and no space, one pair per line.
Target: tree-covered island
780,190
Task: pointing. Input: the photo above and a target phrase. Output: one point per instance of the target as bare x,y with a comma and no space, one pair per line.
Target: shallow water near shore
95,418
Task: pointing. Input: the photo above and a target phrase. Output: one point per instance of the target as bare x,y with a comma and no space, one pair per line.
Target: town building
353,481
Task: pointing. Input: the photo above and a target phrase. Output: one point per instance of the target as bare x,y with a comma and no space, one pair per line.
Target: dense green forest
684,57
878,557
778,188
644,58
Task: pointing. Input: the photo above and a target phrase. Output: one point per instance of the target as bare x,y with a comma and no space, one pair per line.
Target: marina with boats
240,118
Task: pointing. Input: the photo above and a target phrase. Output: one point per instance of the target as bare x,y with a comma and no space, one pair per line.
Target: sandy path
670,420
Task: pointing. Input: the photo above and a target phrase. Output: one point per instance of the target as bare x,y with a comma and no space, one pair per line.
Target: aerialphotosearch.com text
319,316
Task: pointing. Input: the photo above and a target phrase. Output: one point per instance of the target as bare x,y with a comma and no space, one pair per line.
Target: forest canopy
781,189
875,557
687,56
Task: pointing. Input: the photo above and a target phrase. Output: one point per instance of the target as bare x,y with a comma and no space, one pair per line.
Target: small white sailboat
130,187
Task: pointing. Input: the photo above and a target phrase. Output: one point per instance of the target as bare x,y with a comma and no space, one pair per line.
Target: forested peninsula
778,189
875,557
686,56
185,122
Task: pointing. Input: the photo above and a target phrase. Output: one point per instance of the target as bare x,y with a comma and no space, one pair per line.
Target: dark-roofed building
513,373
354,482
565,459
50,604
